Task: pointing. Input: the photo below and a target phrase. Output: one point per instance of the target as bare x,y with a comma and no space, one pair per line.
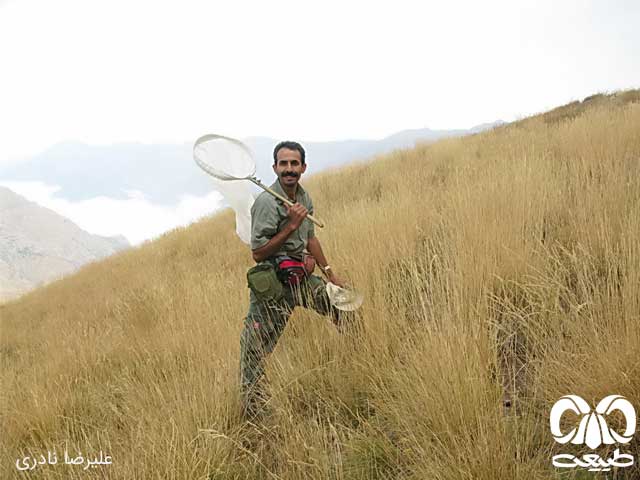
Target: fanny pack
291,271
266,279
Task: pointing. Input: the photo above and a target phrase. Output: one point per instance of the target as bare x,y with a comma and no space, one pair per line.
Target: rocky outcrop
37,245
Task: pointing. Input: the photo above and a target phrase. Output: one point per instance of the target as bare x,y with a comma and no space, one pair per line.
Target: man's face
289,167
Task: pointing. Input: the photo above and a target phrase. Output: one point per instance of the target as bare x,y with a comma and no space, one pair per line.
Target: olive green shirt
269,216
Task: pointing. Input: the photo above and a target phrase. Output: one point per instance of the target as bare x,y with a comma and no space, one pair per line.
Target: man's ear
304,167
274,169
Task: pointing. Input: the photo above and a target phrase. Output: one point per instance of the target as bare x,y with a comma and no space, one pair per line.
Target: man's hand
296,214
333,278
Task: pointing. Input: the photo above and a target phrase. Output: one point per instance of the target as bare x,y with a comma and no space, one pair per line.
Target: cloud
136,217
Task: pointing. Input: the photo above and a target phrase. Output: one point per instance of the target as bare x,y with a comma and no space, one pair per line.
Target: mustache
290,174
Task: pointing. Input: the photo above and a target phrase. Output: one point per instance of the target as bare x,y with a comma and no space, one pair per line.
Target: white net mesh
228,159
238,196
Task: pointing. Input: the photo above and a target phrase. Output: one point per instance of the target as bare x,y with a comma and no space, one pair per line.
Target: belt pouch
264,282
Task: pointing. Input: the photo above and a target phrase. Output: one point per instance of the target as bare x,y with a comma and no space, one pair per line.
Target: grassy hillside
505,263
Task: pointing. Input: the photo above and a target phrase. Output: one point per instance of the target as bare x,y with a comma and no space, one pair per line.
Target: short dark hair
291,146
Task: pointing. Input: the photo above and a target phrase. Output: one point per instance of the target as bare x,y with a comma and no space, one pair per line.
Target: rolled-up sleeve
264,222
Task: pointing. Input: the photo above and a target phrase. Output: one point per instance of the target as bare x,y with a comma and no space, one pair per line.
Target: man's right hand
296,214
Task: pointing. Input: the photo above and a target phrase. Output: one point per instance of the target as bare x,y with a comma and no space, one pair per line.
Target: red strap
290,264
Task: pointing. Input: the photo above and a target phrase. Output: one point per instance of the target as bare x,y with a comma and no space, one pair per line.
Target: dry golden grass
506,258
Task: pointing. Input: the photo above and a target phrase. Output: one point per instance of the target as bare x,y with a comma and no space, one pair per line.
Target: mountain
165,172
38,245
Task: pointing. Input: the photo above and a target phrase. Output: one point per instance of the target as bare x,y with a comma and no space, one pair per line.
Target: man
279,231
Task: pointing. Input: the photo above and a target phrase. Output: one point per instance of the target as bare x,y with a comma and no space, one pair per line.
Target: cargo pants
264,324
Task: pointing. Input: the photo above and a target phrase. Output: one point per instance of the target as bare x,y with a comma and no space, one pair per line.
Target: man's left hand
333,278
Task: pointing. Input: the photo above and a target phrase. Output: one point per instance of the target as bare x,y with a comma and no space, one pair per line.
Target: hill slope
505,262
38,245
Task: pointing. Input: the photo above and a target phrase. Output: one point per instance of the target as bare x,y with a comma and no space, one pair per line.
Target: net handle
285,200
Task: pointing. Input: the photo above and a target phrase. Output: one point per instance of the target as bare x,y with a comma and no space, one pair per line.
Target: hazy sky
168,71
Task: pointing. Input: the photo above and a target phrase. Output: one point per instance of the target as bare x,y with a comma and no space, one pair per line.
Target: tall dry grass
506,261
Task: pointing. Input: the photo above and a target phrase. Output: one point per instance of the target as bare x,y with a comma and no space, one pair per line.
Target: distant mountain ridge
38,245
164,172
